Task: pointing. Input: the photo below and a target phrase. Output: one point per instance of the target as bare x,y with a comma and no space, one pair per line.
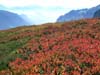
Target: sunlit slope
70,48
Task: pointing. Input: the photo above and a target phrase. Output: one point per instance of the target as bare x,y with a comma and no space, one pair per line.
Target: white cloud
50,3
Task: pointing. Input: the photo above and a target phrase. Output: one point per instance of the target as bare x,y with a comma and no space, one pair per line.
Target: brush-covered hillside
69,48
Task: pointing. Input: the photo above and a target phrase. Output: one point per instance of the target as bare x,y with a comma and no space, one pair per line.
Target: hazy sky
41,11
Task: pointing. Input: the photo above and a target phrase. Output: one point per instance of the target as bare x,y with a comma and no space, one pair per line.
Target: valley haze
43,11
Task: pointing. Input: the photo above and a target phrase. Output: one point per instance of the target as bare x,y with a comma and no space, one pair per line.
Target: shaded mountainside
10,20
78,14
69,48
97,14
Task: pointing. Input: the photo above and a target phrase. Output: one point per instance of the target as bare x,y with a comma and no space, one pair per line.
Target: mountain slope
97,14
9,20
78,14
70,48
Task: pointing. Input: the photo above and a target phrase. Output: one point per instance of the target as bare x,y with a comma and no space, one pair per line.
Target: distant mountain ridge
10,20
78,14
97,14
